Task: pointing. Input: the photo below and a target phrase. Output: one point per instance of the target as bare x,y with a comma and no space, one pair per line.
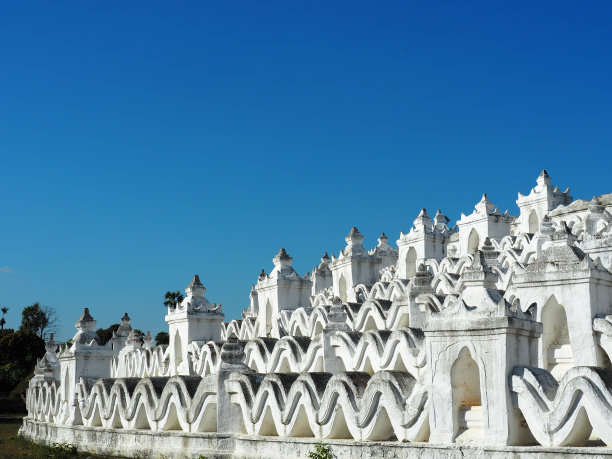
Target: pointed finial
485,206
543,178
440,218
324,265
86,316
282,258
85,322
354,238
195,287
195,281
51,345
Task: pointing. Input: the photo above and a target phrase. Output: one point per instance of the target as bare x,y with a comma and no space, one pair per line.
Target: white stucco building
489,337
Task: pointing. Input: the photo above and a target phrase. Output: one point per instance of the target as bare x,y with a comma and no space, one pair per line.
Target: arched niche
342,288
473,241
268,318
556,349
534,224
178,350
467,401
411,260
67,386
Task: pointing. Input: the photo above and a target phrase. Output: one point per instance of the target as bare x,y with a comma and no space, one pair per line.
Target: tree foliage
39,320
322,451
106,334
18,353
171,299
162,338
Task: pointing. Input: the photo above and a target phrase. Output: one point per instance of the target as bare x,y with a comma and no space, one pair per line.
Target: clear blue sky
143,142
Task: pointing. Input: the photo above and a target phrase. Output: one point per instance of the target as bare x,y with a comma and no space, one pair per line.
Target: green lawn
12,445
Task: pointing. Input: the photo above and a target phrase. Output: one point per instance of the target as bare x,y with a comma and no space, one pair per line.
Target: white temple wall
542,199
487,415
351,271
491,227
281,295
423,248
581,301
456,356
184,328
321,280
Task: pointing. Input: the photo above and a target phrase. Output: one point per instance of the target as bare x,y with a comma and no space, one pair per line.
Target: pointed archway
534,224
342,288
556,353
473,241
268,318
178,351
411,260
467,401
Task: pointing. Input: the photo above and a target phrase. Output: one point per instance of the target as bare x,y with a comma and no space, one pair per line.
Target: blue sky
143,142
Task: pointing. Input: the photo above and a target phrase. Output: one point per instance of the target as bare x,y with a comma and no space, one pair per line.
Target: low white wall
148,444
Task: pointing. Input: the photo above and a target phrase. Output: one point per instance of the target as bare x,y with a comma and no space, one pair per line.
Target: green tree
172,299
106,334
3,320
162,338
39,320
18,353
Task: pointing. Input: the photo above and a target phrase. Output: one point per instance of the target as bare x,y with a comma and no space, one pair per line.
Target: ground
11,445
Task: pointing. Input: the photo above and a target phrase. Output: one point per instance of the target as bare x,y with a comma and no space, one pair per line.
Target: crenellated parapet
355,265
426,240
485,221
347,405
542,199
321,276
474,338
194,319
281,290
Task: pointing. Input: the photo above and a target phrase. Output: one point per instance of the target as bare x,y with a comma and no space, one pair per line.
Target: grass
12,445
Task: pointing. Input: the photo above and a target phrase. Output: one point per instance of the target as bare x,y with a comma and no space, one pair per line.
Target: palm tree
172,299
3,320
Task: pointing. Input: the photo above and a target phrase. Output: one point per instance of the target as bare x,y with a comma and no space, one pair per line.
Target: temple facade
494,335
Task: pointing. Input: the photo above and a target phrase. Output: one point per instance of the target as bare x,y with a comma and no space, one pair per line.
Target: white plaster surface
491,338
